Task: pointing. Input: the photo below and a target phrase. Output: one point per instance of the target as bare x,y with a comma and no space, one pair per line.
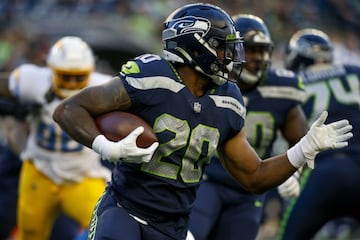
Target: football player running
223,209
58,174
195,111
332,189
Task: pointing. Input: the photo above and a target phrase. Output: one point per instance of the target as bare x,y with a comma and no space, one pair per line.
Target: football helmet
71,61
257,40
204,36
306,47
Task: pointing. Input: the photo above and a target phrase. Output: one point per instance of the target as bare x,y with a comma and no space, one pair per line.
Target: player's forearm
275,170
75,114
254,174
267,174
77,122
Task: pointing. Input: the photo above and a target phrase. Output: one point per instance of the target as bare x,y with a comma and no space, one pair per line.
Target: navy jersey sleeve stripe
155,82
283,92
230,103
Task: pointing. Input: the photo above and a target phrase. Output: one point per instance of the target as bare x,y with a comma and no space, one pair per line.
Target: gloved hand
291,187
320,137
124,150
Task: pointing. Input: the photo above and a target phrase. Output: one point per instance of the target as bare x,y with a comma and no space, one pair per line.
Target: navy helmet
204,36
306,47
256,35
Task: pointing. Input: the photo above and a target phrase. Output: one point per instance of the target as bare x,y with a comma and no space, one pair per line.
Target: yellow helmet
71,61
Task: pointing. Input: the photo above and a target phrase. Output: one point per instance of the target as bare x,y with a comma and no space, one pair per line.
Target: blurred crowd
28,27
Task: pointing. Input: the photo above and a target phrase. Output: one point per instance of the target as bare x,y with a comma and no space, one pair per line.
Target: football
117,124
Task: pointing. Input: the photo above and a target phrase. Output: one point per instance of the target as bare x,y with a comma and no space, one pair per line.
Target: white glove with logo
291,187
124,150
320,137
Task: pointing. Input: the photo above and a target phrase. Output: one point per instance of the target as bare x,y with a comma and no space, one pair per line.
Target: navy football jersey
189,130
267,107
335,88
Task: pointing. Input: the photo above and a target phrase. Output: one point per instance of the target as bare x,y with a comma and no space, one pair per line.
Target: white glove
124,150
290,188
320,137
189,236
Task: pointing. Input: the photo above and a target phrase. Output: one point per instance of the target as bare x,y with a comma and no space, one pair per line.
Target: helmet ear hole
214,67
214,43
71,61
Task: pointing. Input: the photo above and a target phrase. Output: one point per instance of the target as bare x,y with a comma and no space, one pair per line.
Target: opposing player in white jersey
58,174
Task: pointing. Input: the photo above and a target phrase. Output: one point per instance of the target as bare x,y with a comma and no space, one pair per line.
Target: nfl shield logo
197,107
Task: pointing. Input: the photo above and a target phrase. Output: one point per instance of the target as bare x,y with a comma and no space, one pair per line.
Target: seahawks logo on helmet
186,25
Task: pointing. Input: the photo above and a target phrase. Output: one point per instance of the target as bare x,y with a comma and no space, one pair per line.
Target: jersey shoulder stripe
283,84
229,103
155,82
283,92
150,71
147,65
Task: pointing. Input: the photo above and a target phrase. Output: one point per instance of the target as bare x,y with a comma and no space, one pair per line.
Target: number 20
195,155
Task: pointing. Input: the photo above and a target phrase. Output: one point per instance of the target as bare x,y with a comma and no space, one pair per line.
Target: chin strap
172,57
217,79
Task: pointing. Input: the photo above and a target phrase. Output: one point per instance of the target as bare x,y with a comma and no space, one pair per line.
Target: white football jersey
52,151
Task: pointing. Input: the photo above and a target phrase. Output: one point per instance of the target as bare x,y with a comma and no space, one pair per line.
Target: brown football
117,124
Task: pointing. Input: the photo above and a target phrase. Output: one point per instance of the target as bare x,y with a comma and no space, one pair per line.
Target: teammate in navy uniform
273,97
195,112
332,189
